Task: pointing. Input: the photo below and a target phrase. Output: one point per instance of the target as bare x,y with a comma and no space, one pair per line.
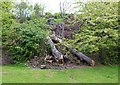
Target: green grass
22,74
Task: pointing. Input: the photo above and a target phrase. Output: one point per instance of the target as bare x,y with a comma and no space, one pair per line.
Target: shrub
26,40
100,33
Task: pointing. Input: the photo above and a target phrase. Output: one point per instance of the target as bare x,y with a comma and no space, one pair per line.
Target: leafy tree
22,40
100,33
6,19
38,10
6,14
22,11
48,15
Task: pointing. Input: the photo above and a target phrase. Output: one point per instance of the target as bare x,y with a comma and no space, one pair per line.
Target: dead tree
65,8
58,55
80,55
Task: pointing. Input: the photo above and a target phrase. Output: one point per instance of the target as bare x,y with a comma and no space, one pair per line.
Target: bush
26,40
100,33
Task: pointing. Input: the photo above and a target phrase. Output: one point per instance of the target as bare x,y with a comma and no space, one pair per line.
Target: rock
43,66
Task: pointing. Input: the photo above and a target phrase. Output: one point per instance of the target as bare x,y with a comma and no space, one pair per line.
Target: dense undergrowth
26,40
98,35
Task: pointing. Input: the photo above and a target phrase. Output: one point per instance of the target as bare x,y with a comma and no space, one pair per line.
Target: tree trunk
80,55
56,39
58,55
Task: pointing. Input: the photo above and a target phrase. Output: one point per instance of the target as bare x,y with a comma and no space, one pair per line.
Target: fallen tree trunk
80,55
58,55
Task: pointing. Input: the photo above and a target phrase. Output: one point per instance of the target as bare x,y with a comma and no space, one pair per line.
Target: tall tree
22,11
6,14
100,33
38,10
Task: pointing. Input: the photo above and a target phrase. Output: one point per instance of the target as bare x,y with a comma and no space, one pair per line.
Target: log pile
59,56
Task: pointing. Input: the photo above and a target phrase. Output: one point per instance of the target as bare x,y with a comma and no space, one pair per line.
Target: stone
43,66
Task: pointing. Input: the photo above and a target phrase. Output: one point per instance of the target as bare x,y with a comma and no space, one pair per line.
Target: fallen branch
80,55
58,55
56,39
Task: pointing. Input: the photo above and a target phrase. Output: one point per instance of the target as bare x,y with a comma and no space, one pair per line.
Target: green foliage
48,15
58,20
6,17
22,10
100,33
38,10
58,15
26,40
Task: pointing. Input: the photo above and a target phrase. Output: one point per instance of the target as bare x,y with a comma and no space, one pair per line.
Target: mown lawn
23,74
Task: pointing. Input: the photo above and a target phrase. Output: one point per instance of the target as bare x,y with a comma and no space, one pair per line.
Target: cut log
58,55
43,66
80,55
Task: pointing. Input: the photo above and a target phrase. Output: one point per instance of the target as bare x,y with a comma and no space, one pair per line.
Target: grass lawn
23,74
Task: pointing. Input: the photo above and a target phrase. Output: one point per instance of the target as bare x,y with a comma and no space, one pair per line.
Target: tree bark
56,39
80,55
58,55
